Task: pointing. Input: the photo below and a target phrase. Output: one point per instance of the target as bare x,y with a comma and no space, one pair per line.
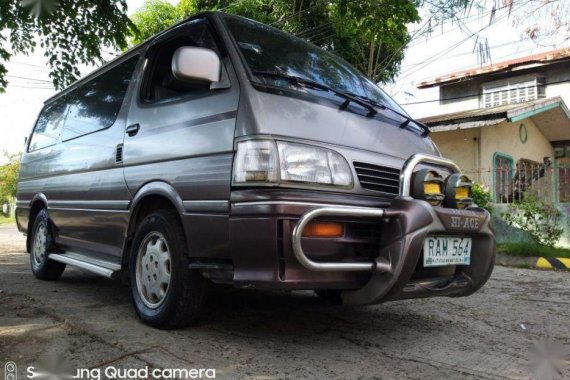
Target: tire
42,243
166,294
332,296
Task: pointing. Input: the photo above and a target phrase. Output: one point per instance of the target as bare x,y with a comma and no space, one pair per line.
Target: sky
444,51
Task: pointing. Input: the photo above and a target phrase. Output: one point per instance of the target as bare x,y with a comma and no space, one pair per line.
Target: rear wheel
165,292
42,244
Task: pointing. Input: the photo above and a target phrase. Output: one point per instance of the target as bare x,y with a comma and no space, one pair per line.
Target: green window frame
500,176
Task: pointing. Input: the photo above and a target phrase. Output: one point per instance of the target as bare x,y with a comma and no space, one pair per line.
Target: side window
95,105
49,125
159,82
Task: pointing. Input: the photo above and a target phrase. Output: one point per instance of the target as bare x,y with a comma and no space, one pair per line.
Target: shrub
539,220
481,196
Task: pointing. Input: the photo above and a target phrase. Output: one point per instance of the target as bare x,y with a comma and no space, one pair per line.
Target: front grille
378,178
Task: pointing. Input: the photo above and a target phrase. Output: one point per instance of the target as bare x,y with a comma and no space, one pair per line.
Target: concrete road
88,322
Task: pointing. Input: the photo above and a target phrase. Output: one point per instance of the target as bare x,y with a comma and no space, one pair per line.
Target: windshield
268,50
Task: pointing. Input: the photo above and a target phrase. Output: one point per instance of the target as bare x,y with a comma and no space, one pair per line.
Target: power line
27,78
407,73
386,61
28,64
497,58
30,87
466,18
469,53
38,68
294,15
479,94
309,30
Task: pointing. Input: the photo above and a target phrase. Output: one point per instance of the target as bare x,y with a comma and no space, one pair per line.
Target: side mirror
193,63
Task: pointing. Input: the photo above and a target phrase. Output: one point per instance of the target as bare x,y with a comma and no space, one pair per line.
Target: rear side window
49,125
96,104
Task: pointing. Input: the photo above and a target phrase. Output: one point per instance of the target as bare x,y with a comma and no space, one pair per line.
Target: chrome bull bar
359,212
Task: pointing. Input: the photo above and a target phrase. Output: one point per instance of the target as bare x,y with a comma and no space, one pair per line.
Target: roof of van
130,51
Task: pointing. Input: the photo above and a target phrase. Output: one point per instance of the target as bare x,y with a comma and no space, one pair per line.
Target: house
507,125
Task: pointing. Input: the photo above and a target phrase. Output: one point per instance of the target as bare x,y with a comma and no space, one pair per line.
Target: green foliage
71,32
9,178
532,250
481,196
6,220
154,16
370,34
539,220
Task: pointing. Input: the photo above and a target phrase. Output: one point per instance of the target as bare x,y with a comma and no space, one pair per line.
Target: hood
264,113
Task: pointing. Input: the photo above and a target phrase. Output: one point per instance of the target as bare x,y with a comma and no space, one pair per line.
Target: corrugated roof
517,63
500,112
475,114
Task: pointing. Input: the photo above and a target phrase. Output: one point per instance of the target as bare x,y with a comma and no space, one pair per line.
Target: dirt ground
88,322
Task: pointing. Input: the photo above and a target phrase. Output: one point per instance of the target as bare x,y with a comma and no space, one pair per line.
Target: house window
502,176
513,90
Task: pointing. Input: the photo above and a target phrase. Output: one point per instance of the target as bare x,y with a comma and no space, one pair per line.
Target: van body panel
188,144
83,185
66,173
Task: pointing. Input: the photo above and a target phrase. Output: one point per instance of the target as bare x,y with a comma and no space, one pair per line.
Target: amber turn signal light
324,229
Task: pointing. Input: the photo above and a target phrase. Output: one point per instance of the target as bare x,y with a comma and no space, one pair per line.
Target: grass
526,250
6,220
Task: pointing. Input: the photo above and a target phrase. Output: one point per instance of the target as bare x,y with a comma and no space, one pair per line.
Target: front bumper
269,250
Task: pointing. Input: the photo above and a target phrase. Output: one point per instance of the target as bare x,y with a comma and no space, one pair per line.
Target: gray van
224,150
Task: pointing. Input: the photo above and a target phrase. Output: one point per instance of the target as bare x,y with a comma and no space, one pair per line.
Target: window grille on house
513,90
513,182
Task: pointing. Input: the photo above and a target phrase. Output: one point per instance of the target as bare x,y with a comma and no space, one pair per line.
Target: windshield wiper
361,100
309,83
405,123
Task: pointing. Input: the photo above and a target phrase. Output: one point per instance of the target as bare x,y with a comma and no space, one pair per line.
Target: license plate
447,250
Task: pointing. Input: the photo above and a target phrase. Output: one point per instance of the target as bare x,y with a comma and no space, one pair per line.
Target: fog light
428,185
458,191
324,229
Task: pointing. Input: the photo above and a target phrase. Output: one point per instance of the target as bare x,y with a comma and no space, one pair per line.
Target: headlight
266,161
458,191
428,185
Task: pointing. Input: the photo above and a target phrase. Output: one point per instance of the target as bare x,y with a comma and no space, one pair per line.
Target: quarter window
49,125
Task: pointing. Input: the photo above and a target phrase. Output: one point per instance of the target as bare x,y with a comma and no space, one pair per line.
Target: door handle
133,129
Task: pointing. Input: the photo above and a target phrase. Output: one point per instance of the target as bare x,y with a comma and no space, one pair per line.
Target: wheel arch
150,197
38,203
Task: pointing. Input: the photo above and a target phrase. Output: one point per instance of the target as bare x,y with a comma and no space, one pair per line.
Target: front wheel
42,243
165,292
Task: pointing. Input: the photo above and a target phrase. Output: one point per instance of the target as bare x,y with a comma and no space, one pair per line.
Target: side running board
100,267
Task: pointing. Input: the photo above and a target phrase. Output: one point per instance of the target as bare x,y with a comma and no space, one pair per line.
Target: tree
71,32
370,34
9,178
154,16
